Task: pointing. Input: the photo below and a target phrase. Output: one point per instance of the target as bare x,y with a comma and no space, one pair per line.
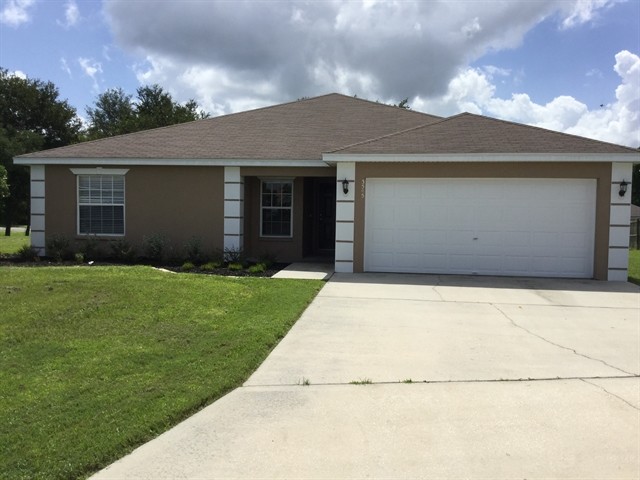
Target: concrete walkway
471,378
306,271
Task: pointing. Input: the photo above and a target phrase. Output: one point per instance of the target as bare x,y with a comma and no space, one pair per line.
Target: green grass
10,245
634,266
95,361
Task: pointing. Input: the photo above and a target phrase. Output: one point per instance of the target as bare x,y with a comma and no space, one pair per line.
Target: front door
319,216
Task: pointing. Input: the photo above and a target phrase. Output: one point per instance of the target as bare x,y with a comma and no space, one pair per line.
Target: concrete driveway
402,376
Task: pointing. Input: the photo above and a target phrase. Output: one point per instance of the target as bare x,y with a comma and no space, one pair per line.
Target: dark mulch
15,261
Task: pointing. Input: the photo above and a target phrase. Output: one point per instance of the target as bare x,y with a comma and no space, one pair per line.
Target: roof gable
468,133
299,130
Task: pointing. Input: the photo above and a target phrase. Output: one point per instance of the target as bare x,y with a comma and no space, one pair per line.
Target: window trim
277,180
114,172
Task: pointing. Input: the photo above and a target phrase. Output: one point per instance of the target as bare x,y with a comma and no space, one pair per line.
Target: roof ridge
572,135
399,132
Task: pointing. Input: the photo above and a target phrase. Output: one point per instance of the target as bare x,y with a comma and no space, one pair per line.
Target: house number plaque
362,189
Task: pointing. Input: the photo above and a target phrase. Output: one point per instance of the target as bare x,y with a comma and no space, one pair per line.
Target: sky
568,65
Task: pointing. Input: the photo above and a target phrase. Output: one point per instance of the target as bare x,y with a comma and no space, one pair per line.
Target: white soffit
334,158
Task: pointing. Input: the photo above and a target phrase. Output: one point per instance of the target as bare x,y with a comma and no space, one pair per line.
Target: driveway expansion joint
435,382
557,344
608,392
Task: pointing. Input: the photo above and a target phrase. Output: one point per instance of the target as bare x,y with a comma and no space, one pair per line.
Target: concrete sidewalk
510,378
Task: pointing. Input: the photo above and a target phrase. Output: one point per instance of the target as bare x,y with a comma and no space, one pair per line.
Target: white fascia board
335,158
183,162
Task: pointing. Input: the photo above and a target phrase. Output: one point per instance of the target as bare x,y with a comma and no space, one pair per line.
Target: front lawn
97,360
634,266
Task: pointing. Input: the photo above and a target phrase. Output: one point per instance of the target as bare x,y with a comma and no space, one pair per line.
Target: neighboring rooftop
469,133
300,130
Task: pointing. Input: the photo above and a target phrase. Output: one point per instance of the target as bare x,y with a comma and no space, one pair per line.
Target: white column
345,208
619,223
37,209
233,209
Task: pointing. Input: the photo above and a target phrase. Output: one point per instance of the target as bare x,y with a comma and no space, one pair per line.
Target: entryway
319,229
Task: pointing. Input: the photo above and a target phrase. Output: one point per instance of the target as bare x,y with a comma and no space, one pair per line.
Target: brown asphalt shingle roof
300,130
468,133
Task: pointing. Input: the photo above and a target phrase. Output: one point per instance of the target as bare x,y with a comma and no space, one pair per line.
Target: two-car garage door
520,227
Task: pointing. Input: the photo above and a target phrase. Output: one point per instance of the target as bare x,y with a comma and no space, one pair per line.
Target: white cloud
16,12
65,67
18,74
472,91
71,14
583,11
91,69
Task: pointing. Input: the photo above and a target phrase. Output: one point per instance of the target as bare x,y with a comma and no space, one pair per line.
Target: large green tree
114,112
32,118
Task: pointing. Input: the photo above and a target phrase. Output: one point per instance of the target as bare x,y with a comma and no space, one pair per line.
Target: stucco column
37,209
233,209
345,207
619,223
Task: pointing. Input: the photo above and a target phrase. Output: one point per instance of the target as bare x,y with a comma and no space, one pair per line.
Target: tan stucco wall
179,202
601,172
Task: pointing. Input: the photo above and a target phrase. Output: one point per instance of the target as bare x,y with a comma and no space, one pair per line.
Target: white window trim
101,171
277,180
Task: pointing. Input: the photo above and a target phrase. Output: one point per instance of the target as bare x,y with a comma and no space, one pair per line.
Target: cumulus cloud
16,12
71,15
473,90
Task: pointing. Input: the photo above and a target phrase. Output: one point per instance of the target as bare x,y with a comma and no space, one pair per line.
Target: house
373,187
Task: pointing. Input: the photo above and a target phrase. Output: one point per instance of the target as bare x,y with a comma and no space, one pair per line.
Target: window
101,204
276,208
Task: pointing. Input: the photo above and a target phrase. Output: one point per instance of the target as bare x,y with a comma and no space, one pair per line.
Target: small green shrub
90,248
58,247
122,251
79,257
210,266
27,253
268,259
233,255
193,251
257,268
187,266
234,266
154,247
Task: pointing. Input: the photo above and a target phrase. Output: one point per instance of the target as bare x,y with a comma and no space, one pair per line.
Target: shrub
234,266
233,255
268,259
58,247
188,266
210,266
154,247
27,253
90,248
122,251
193,250
79,257
257,268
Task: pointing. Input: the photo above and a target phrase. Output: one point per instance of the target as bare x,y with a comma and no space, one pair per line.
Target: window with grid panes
101,204
276,208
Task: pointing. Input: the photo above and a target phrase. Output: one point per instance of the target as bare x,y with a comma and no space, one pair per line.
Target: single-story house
373,187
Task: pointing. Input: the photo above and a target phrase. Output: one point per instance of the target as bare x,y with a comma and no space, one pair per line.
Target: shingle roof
468,133
299,130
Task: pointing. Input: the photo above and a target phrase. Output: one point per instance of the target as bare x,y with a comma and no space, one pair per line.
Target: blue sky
570,65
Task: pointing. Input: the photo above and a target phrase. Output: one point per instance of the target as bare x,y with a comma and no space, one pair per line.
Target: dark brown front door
319,216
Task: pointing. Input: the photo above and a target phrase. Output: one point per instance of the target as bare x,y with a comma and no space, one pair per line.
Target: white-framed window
100,203
276,208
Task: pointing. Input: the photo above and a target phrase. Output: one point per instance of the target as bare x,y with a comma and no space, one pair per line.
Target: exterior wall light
623,188
345,186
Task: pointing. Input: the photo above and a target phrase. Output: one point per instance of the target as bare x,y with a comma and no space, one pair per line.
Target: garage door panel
539,227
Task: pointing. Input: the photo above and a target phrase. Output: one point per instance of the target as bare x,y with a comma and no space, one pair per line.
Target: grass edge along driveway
96,361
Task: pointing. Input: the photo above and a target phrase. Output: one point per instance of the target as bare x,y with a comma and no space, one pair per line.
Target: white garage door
520,227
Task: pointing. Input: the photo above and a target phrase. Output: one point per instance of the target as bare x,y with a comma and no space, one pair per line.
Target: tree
113,115
32,118
115,112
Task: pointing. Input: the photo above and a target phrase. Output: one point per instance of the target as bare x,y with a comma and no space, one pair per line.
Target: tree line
33,117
